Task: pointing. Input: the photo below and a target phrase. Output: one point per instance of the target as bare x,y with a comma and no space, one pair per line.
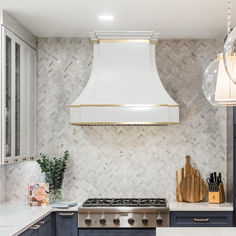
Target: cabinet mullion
3,94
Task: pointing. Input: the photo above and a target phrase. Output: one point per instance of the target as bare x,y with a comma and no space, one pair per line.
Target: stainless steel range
124,213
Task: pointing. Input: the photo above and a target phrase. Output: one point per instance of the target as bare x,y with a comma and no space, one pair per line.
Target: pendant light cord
229,17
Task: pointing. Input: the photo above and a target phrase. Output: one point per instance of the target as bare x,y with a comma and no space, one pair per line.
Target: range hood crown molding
145,35
124,86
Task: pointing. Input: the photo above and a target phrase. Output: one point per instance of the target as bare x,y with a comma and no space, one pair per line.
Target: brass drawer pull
66,214
201,220
34,227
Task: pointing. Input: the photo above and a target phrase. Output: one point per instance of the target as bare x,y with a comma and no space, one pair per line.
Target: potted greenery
54,169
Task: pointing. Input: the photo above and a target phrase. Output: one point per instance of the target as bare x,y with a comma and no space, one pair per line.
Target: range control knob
131,221
116,221
159,220
102,221
145,220
88,221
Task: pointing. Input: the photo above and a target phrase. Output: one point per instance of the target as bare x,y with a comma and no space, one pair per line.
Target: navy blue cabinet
201,219
45,226
41,228
66,224
31,232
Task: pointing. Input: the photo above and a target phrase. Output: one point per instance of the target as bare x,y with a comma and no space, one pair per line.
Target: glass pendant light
230,48
217,85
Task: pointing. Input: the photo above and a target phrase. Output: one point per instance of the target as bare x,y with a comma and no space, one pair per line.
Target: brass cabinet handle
42,222
34,227
201,220
66,214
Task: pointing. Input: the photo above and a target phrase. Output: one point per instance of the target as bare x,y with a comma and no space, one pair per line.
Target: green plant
54,169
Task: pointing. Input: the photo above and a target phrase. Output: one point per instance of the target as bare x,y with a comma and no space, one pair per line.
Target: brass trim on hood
122,123
123,41
124,105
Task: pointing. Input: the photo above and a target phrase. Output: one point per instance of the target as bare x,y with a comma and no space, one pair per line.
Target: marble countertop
195,231
15,218
200,206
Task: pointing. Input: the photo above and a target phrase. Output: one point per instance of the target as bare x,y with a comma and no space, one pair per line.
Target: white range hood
124,87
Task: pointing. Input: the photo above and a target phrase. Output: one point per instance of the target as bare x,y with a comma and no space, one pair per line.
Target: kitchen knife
211,178
214,177
220,180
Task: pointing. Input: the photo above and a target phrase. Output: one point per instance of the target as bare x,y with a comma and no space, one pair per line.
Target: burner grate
154,202
95,202
125,202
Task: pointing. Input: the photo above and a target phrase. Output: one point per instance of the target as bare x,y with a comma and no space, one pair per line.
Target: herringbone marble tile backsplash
123,161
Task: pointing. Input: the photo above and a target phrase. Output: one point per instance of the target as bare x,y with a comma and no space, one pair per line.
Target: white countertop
200,206
195,231
15,218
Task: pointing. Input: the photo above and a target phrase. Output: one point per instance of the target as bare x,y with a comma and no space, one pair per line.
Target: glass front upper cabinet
17,93
15,86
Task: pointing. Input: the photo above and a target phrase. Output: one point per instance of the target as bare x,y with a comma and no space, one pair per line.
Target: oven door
117,232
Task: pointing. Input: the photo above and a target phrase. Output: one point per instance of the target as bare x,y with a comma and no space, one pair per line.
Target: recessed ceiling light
106,17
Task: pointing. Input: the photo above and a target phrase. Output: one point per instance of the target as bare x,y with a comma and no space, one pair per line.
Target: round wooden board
193,188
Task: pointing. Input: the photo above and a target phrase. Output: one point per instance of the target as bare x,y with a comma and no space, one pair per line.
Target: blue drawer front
202,219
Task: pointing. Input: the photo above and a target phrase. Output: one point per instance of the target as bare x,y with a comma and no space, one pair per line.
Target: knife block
217,197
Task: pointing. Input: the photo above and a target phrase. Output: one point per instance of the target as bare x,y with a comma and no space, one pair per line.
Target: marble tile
2,184
123,161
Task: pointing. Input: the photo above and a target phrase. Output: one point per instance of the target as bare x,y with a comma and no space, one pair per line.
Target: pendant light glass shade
230,55
217,86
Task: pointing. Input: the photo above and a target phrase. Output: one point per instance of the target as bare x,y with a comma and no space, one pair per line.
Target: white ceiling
75,18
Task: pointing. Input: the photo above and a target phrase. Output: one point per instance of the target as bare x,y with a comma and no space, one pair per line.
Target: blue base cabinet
45,226
30,232
201,219
66,223
41,228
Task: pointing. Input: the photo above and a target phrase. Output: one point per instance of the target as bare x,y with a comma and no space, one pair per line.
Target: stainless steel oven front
121,222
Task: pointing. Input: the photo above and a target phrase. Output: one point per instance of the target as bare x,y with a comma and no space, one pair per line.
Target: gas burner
152,202
98,202
125,202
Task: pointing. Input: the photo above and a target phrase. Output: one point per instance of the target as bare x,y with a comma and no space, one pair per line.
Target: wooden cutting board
181,174
188,169
193,188
179,178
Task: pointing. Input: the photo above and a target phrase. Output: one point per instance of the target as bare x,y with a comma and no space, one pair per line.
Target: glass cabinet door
8,100
12,96
17,99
